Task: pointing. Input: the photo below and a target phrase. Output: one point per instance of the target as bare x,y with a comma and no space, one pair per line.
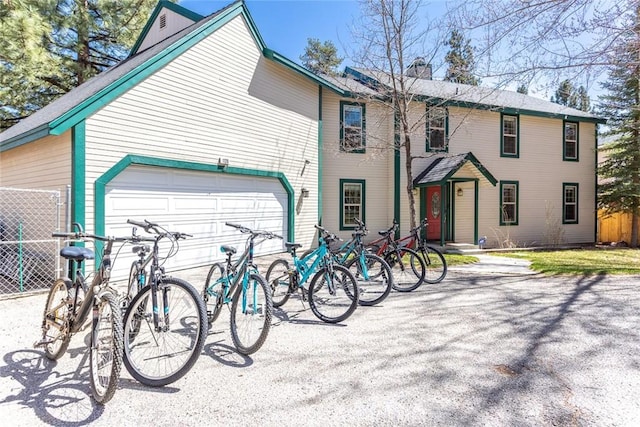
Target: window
569,203
510,146
570,141
352,197
436,129
352,130
508,203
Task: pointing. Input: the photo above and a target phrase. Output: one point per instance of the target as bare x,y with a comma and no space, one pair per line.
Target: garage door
197,203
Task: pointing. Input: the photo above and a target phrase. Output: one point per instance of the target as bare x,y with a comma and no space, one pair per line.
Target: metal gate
28,253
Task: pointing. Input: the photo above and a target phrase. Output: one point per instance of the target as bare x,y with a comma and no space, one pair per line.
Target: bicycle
332,293
372,273
241,285
67,310
434,261
407,266
165,323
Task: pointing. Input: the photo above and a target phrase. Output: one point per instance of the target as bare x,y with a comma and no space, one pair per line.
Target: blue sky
285,25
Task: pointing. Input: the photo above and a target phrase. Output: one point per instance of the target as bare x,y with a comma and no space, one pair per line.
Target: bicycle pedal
42,343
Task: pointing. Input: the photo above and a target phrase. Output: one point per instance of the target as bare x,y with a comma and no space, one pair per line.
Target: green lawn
581,261
455,259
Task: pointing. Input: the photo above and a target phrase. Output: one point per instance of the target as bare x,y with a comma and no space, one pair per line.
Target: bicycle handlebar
151,227
78,235
254,233
327,234
423,223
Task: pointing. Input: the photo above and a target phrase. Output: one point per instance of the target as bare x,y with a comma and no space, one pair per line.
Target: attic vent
163,21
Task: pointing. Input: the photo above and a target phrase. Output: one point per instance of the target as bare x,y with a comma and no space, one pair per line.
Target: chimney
419,69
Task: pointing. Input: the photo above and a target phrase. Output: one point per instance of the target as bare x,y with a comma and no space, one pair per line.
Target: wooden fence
614,227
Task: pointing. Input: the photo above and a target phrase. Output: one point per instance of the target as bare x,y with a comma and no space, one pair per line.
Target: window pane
509,194
570,149
436,138
570,213
509,125
352,116
510,144
509,213
570,195
570,132
351,203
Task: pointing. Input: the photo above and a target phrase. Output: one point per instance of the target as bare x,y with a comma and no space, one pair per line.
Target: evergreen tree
460,60
619,173
523,89
49,47
568,95
320,58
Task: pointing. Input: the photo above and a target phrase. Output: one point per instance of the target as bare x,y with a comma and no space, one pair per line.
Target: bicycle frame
309,265
354,247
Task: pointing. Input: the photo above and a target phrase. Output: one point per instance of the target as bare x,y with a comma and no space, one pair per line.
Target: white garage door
197,203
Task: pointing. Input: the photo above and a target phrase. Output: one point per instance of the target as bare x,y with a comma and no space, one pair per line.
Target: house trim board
78,172
130,159
320,158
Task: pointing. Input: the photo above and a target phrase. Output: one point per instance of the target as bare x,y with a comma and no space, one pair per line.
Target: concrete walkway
495,265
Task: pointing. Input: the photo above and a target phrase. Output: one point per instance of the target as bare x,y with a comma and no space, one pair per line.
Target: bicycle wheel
213,292
407,269
435,264
251,312
157,356
279,281
333,294
55,323
375,285
105,357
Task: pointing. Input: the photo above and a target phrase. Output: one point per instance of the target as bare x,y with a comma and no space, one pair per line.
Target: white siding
44,164
371,166
219,99
174,23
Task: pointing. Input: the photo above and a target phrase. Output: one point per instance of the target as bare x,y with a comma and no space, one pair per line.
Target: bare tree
394,36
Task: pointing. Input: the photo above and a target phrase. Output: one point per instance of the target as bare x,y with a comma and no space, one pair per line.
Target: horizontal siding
371,166
219,99
44,164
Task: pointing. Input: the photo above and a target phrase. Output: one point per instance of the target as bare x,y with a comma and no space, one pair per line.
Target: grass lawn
455,259
581,261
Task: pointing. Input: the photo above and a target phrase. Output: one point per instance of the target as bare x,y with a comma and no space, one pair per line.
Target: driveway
483,348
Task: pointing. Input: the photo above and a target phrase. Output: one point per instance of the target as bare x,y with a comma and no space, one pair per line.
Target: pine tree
49,47
568,95
320,58
619,173
460,60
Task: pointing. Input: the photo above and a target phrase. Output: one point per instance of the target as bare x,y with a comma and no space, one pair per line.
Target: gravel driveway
480,349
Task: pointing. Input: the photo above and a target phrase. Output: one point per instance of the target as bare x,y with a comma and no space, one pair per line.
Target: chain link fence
28,253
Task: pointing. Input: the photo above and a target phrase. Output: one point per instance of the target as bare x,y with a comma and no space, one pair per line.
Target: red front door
434,208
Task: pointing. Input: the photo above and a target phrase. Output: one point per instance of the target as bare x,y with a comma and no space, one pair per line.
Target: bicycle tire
279,281
250,327
189,320
56,320
213,291
105,356
435,265
378,287
333,306
407,275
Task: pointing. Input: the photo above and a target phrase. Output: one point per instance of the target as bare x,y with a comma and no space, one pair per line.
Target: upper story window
352,127
509,146
570,141
508,202
436,129
352,198
569,203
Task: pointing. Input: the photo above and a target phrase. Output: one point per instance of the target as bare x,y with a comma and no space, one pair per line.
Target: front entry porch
449,197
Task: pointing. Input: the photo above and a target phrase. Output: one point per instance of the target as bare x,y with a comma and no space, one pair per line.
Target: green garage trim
78,173
108,176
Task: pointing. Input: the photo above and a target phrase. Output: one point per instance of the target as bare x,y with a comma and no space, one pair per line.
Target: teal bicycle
332,293
240,285
372,273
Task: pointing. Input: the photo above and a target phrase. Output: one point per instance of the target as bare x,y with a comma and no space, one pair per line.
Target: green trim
502,152
517,204
443,212
428,148
363,201
423,208
320,158
135,76
564,141
24,138
129,160
476,207
564,201
451,229
162,4
595,185
275,56
78,173
363,129
396,169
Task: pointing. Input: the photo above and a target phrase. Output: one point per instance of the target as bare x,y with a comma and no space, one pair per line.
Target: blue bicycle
240,285
332,293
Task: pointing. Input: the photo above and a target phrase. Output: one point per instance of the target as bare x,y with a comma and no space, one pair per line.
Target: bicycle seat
291,245
76,253
141,248
384,232
230,250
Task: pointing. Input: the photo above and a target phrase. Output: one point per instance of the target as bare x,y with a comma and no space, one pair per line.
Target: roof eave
26,137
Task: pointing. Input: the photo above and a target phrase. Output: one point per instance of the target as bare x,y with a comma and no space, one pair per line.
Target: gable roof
444,93
82,101
442,167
